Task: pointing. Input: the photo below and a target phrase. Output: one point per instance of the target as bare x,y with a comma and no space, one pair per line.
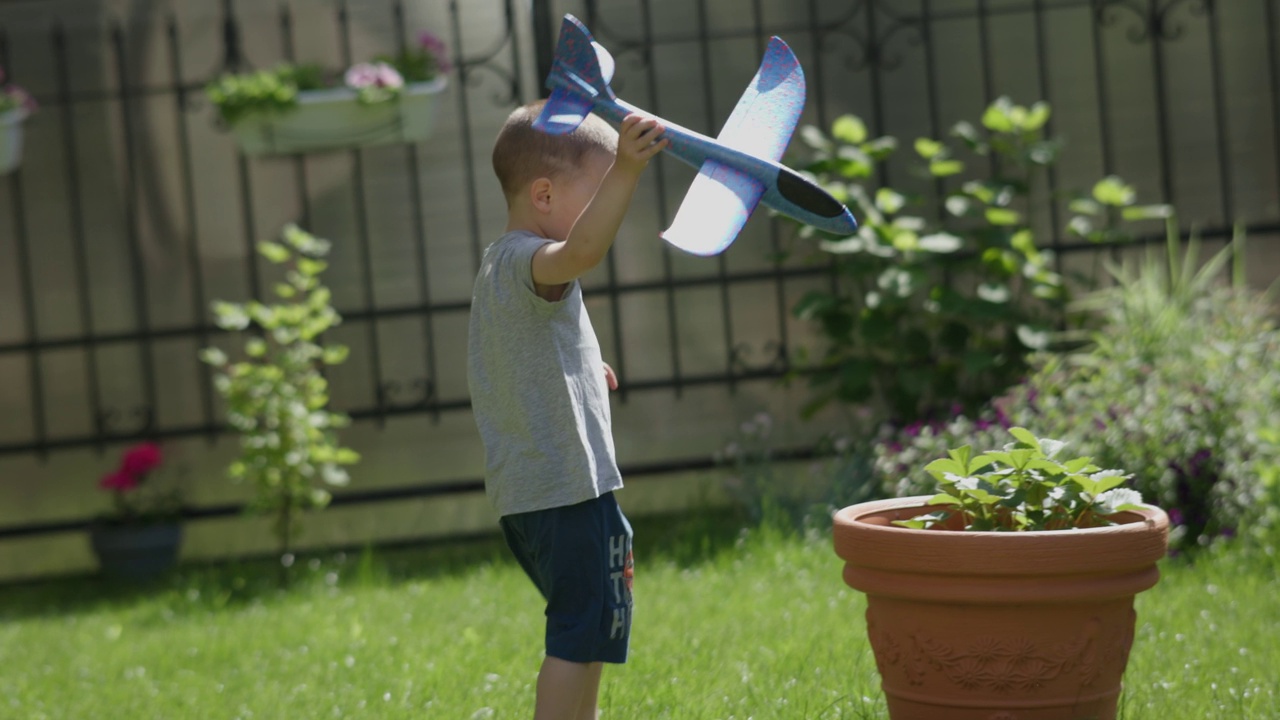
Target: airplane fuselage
785,190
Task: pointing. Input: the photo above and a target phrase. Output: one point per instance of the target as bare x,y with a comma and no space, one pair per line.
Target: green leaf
889,200
928,149
1033,338
969,134
213,356
946,168
336,354
1147,212
944,499
1025,436
1084,206
940,467
993,292
1114,192
274,252
1036,117
285,291
346,456
959,205
230,316
962,455
1024,242
255,347
941,242
998,116
311,268
1003,216
849,129
881,148
906,241
814,138
1080,226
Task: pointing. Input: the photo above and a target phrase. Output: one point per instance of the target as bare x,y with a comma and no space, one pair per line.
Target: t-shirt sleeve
517,270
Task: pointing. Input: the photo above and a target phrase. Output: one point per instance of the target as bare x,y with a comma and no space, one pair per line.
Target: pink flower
141,459
379,75
434,45
119,481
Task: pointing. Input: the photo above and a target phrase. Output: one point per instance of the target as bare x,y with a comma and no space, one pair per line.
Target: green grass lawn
727,625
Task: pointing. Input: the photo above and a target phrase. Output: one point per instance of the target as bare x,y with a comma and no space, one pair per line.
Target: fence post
544,42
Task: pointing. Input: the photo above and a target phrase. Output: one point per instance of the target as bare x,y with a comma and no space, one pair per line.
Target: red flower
141,459
119,481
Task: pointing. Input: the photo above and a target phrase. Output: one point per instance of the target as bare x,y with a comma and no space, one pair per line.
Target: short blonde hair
522,154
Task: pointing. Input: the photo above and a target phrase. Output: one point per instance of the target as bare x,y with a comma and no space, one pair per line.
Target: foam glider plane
736,170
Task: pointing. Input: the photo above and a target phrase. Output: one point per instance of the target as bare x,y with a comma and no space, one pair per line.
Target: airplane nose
807,195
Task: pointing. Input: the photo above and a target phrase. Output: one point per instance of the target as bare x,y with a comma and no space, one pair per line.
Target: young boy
538,383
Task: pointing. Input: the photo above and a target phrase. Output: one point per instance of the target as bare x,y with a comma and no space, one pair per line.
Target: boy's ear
540,194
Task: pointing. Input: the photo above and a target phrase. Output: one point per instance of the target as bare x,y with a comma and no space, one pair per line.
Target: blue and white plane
736,170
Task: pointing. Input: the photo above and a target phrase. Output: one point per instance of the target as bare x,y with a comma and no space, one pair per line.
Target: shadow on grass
686,539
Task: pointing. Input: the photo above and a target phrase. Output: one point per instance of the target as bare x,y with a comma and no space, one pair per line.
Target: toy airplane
736,170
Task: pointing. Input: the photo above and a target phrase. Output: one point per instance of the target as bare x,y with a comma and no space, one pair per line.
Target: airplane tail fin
580,73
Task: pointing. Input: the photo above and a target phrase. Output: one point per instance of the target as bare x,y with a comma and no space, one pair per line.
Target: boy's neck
517,221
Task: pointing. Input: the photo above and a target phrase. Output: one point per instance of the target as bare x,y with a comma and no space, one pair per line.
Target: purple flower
913,429
379,75
1175,516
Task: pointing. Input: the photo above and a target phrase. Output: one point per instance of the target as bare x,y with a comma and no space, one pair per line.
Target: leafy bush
277,396
925,312
1181,385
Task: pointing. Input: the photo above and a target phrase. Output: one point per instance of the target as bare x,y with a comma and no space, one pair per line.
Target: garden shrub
1180,385
924,312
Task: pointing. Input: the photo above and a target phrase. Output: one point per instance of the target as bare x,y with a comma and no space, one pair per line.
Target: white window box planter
11,139
335,119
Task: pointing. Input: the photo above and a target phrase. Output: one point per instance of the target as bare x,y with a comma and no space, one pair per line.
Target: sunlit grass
728,625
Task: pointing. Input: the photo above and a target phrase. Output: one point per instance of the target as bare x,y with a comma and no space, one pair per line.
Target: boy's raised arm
593,233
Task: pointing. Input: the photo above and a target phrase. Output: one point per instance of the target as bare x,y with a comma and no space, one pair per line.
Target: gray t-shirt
537,387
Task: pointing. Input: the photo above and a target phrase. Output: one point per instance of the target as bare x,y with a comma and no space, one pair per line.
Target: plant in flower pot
277,395
16,105
140,539
1008,595
298,109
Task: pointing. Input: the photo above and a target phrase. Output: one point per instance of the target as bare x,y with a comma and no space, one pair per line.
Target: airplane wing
714,210
721,198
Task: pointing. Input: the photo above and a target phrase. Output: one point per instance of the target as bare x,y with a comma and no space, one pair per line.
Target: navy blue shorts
579,556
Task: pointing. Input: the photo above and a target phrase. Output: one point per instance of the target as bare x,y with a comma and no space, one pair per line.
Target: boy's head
523,155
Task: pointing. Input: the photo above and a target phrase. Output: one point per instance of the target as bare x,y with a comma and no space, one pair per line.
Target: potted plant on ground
277,395
1009,594
16,105
299,109
141,538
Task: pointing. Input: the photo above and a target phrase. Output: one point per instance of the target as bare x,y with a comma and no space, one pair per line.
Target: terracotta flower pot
999,625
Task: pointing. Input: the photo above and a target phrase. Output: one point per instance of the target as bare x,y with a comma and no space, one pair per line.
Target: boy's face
572,191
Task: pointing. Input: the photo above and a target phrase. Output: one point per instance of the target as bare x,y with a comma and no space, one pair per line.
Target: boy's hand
639,139
610,377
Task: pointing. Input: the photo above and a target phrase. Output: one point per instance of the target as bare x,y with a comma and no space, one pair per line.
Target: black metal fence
1181,96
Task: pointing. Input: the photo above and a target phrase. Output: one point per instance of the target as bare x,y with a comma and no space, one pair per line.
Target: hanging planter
336,119
11,139
301,109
